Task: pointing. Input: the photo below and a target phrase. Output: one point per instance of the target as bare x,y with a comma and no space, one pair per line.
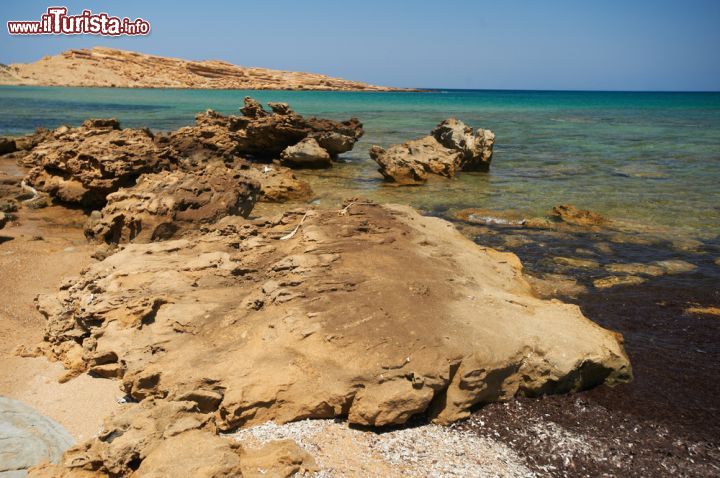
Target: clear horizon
654,46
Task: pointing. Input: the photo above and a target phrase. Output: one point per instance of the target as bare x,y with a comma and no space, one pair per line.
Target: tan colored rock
576,262
108,67
411,162
612,281
451,146
278,184
569,214
289,325
3,220
476,147
636,268
675,266
83,165
166,204
306,154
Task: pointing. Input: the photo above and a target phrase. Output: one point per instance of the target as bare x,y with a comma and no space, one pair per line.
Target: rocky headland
108,67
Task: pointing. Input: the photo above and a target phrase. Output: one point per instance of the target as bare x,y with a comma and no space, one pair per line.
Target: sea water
648,158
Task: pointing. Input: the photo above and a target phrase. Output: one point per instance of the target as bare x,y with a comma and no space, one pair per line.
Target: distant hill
108,67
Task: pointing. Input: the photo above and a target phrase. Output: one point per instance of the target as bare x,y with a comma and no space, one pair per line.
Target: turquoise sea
647,158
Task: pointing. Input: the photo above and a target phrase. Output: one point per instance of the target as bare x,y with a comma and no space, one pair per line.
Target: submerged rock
163,205
451,146
569,214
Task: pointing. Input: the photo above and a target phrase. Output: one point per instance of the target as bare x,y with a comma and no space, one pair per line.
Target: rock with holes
451,146
476,147
306,154
312,314
83,165
411,162
261,134
166,204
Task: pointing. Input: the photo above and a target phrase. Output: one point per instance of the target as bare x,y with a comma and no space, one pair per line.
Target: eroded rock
476,146
83,165
306,154
166,204
451,146
411,162
569,214
289,325
261,134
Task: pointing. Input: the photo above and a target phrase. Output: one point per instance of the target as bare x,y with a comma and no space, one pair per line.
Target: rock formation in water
476,147
108,67
306,154
84,165
451,146
310,315
163,205
262,134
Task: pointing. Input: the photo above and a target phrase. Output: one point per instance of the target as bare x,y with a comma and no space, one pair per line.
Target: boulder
451,146
476,147
411,162
306,154
83,165
312,315
166,204
261,134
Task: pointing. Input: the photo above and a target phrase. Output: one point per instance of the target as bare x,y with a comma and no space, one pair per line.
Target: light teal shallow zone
652,158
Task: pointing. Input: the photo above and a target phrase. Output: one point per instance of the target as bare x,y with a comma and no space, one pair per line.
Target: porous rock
411,162
312,315
307,153
83,165
451,146
476,146
166,204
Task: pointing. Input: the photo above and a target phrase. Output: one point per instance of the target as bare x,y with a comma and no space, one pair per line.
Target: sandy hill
118,68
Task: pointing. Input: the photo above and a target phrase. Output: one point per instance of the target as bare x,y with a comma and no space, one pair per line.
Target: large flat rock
374,313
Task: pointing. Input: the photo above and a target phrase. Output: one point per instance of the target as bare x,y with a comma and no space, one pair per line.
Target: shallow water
653,158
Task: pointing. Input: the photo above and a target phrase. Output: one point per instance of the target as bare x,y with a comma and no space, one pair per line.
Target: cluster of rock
451,146
257,133
310,315
212,321
148,185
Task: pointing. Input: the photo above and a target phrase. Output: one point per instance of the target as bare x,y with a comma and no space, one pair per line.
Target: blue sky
503,44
